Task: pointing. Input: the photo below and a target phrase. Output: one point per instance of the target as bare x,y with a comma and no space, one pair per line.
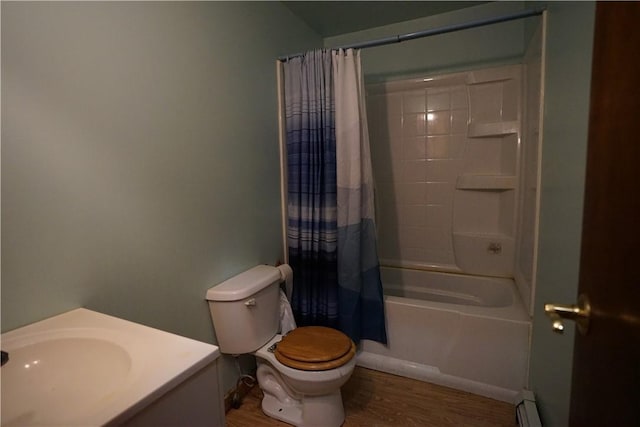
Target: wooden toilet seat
315,348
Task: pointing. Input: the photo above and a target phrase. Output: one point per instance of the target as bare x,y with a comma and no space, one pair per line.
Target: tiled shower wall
445,155
417,140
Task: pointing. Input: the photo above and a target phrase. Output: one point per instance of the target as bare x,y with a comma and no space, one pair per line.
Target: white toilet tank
245,309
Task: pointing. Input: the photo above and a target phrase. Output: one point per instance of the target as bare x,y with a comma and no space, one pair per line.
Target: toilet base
311,411
301,398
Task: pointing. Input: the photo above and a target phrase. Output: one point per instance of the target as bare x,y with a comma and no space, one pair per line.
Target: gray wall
140,157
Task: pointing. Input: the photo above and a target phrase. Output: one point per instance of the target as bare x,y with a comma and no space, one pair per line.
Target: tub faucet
494,248
5,358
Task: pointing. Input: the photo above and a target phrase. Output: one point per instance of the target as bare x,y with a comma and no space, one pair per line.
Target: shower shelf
486,182
484,130
488,254
482,235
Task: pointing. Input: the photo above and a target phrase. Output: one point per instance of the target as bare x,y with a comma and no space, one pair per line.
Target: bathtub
466,332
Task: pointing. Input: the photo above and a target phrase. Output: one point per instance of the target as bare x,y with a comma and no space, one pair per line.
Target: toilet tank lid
244,284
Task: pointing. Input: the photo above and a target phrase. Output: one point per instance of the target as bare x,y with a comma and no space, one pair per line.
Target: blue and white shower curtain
331,228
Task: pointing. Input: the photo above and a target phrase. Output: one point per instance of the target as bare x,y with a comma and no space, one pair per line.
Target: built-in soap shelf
484,253
482,235
486,182
486,130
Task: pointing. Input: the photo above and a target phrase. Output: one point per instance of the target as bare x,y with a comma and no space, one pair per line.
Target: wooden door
606,365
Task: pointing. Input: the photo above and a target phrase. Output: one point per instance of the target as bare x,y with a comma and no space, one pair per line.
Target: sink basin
86,368
51,372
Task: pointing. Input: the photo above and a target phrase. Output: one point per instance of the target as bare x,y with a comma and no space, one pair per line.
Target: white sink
86,368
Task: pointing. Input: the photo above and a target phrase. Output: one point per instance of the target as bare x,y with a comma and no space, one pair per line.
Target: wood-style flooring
373,398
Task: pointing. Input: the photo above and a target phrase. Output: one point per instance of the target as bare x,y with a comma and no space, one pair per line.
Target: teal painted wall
491,45
566,119
140,159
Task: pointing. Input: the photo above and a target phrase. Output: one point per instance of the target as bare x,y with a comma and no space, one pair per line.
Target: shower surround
448,155
445,155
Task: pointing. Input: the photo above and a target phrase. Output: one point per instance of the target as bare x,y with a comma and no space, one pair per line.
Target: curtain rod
435,31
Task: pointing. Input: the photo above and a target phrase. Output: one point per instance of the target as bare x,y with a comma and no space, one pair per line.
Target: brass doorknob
579,313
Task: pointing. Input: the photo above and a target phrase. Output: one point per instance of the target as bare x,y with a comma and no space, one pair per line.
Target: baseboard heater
526,410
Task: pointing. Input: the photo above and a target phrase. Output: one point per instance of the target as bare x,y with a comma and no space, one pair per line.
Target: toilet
301,373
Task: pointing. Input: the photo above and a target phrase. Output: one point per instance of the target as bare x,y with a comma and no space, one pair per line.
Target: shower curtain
331,229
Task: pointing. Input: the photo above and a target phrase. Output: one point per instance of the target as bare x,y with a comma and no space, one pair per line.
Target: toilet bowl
301,373
298,397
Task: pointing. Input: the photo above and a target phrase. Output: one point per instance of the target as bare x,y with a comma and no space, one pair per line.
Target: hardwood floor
373,398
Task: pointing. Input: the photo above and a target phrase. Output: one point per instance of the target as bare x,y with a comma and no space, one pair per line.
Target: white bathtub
84,368
466,332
